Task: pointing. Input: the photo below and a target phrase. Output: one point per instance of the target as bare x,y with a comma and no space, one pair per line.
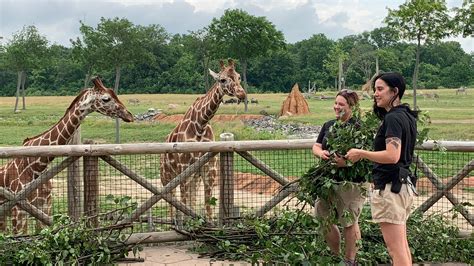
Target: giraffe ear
214,75
231,63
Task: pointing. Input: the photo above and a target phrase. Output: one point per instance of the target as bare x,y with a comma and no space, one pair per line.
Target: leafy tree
199,44
274,72
362,58
420,21
23,53
86,50
118,43
240,35
310,56
336,63
464,19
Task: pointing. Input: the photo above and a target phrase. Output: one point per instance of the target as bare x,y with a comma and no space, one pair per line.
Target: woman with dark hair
349,197
394,145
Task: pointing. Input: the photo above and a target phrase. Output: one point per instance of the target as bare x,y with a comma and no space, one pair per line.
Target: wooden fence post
74,181
91,186
226,185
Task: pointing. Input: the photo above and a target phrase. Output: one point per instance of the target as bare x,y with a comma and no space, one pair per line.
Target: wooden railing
226,149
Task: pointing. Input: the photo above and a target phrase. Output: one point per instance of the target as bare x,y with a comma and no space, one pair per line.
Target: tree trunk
415,73
18,85
87,77
339,84
116,89
377,65
23,81
205,65
244,74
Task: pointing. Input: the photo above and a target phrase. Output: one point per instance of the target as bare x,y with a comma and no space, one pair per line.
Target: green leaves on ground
294,238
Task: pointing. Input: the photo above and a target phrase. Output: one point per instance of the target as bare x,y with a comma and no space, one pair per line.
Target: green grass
451,117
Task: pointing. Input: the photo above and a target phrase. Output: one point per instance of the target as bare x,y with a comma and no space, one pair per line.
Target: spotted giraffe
195,127
17,173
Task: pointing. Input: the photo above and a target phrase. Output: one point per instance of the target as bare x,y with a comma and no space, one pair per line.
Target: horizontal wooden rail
224,146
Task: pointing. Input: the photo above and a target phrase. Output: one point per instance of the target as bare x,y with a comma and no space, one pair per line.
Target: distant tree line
147,59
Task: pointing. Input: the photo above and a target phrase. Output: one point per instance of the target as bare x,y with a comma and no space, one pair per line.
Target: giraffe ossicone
19,172
195,127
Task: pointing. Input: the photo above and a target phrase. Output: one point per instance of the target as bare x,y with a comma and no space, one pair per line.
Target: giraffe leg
43,202
3,218
193,190
209,178
19,221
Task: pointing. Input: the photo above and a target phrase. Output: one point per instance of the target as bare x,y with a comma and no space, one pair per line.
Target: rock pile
295,103
293,131
148,116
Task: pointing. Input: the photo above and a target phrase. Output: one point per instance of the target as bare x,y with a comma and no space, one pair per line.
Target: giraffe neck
62,131
204,109
59,134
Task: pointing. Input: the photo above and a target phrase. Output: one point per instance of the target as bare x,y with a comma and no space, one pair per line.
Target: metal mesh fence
252,187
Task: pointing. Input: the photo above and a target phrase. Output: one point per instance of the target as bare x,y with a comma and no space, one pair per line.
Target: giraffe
17,173
195,127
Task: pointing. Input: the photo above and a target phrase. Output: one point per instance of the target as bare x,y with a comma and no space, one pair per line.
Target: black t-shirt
399,123
323,140
324,133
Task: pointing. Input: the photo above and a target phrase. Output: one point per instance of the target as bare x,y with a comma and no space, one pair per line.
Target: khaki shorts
347,202
389,207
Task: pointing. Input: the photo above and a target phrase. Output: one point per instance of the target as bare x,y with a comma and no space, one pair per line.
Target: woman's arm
318,151
390,155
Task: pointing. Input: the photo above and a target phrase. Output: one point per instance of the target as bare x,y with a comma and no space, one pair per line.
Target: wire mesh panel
128,187
445,166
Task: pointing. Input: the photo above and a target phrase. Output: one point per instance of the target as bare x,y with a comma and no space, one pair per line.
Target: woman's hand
354,155
324,154
318,151
340,162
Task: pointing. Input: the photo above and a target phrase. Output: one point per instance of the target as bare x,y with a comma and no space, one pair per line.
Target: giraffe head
229,80
105,101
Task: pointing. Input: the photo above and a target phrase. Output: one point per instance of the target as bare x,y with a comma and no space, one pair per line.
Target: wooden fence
88,201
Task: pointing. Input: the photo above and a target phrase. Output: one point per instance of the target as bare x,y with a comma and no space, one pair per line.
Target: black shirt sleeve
322,133
394,127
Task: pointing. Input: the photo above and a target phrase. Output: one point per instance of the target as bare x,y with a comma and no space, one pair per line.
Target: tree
310,56
200,45
86,50
336,64
464,19
420,21
117,43
23,53
381,38
240,35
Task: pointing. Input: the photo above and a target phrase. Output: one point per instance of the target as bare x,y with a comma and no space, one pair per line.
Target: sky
58,20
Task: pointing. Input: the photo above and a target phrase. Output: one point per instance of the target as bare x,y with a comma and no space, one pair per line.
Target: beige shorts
389,207
347,202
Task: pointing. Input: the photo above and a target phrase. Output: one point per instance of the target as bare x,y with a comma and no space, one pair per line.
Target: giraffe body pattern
195,127
17,173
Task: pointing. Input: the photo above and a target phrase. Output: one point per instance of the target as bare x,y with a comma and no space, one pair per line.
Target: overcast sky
58,20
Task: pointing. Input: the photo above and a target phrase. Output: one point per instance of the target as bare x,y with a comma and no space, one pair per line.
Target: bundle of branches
288,237
320,179
292,237
68,242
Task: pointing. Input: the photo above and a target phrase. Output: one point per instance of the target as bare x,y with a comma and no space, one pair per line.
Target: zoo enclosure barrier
253,177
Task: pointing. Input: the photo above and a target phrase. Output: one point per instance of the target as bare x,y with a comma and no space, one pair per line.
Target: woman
393,152
349,197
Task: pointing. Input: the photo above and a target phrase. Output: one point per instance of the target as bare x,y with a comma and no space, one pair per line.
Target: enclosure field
451,116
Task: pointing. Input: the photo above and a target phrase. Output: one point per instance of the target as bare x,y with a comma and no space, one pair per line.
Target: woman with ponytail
392,155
